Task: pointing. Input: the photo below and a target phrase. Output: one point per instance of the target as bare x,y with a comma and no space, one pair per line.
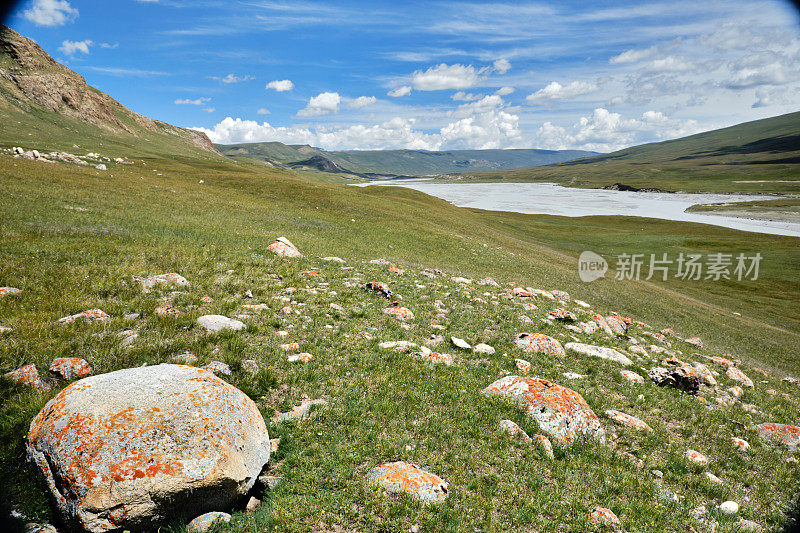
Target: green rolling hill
758,156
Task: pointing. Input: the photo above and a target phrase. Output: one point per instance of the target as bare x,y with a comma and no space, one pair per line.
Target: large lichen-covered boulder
136,447
560,412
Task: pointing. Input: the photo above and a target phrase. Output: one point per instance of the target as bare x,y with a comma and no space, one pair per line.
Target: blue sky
432,75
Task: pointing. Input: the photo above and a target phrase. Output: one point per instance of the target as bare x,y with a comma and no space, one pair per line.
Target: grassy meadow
74,237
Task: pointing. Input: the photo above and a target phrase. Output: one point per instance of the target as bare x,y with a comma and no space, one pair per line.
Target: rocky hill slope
32,82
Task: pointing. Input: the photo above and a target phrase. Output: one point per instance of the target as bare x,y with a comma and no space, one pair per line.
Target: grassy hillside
403,162
759,156
73,237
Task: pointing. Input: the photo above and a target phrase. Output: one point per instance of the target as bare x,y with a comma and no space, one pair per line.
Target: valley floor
73,238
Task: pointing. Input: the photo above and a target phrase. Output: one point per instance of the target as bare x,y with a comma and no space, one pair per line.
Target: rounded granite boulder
134,448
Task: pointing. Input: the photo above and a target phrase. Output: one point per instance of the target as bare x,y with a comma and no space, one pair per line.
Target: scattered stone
603,517
729,508
748,525
696,457
461,343
100,166
737,375
631,376
333,259
573,375
250,366
284,248
581,303
401,476
113,440
463,281
511,427
8,291
40,528
560,412
523,365
741,444
127,337
401,313
561,295
204,522
90,315
599,351
167,311
172,278
299,412
484,349
252,505
545,444
70,368
617,324
736,391
488,281
695,341
562,314
539,342
217,323
783,433
398,346
380,262
131,316
628,420
682,377
434,357
713,479
28,375
638,350
186,358
705,375
217,367
379,287
303,357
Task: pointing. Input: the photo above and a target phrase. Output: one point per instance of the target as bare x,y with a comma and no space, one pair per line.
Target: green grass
133,222
755,157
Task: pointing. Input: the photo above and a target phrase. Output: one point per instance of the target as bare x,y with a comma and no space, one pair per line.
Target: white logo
591,266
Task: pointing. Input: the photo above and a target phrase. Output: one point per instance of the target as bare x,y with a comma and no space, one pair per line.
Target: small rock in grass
28,375
511,427
737,375
303,357
599,351
631,376
69,368
90,315
401,313
378,287
250,366
398,346
461,343
401,476
627,420
8,291
713,479
545,444
538,342
603,517
523,365
783,433
682,377
204,522
299,412
171,278
187,358
252,505
217,367
284,248
483,348
695,341
573,375
741,444
696,457
729,508
217,323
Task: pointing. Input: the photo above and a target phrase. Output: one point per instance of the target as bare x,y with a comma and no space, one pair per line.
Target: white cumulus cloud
263,111
461,96
322,104
444,76
405,90
555,92
50,12
502,66
280,85
503,91
73,47
633,56
232,78
361,101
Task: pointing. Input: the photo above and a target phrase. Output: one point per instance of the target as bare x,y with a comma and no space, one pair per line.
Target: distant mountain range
373,163
760,156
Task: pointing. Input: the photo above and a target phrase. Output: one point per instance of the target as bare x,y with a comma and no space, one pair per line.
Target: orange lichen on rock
284,248
70,367
121,449
627,420
539,342
560,412
402,313
28,375
783,433
401,476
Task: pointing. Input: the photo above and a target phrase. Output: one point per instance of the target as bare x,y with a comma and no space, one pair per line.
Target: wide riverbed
552,199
